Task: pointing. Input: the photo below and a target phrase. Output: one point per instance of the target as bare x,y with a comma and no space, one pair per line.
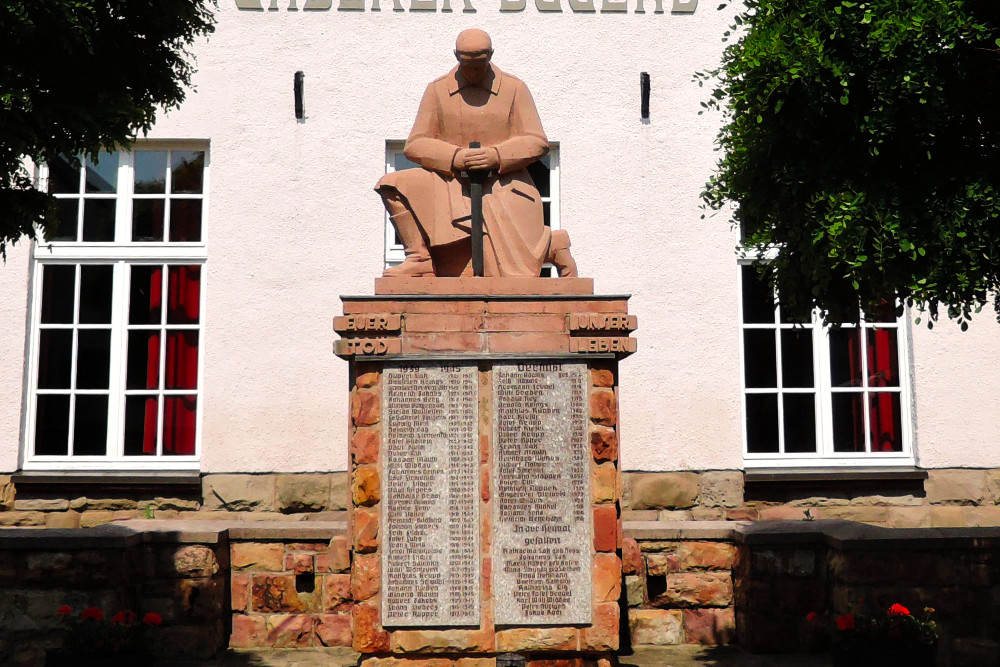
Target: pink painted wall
293,223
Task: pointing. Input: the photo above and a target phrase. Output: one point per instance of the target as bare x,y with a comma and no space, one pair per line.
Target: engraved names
430,517
542,544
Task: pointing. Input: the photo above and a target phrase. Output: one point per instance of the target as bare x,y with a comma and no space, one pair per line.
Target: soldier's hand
477,159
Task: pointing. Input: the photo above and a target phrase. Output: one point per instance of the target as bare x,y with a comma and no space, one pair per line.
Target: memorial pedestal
484,469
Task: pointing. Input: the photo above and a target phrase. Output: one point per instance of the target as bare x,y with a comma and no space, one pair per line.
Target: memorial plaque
430,504
542,524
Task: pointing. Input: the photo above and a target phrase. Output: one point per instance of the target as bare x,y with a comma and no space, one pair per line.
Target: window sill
834,474
178,482
844,482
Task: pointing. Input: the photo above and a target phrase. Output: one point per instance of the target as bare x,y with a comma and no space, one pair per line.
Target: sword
476,179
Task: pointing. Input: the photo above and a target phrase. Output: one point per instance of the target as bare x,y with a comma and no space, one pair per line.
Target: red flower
812,616
123,618
845,622
65,610
152,618
898,610
92,614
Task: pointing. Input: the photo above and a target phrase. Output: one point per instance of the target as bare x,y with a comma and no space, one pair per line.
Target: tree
80,77
862,144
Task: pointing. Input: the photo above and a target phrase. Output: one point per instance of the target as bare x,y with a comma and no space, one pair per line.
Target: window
118,294
544,172
814,395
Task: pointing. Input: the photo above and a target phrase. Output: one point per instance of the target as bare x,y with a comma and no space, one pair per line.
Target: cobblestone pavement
673,656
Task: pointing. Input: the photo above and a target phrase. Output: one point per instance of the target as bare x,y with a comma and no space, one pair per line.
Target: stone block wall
839,567
288,594
680,591
948,497
480,645
182,579
273,496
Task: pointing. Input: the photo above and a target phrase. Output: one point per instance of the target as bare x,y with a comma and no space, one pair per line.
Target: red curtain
179,424
152,363
181,372
857,407
883,407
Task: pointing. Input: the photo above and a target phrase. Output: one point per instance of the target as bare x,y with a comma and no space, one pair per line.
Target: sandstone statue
431,207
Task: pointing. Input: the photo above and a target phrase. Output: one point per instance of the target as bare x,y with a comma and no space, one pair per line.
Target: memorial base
485,485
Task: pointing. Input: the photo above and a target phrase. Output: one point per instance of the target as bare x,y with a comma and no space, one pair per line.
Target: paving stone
441,641
366,489
698,589
721,488
604,483
68,519
6,493
365,445
658,627
337,592
161,504
365,576
302,493
238,493
705,555
248,631
958,486
675,490
635,590
340,491
711,627
275,592
289,630
369,636
333,629
631,556
607,579
538,639
266,556
602,635
603,409
42,504
365,407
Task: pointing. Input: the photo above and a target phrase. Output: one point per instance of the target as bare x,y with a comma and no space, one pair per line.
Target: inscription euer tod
430,518
543,535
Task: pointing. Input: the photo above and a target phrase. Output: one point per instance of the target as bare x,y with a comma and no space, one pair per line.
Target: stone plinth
486,491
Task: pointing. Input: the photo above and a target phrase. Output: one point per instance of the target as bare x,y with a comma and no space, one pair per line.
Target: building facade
181,322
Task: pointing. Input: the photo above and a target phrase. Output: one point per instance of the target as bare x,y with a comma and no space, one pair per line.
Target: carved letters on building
380,322
619,345
506,6
602,322
369,347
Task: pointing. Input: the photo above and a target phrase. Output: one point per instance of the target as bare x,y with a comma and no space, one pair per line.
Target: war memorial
492,395
488,470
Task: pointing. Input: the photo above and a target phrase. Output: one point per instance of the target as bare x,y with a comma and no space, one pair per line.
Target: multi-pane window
117,323
821,395
544,172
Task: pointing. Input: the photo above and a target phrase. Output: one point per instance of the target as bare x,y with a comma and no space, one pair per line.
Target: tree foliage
862,145
80,77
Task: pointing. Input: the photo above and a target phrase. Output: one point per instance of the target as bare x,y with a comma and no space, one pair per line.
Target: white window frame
394,251
121,253
825,456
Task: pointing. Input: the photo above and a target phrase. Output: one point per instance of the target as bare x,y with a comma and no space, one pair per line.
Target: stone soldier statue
431,208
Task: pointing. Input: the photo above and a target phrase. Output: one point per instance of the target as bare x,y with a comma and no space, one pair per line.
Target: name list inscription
430,517
542,541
